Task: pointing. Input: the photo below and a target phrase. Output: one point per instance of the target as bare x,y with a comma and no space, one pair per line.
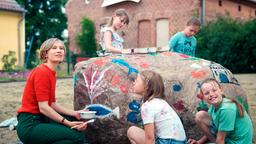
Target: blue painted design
134,117
223,78
121,62
198,85
222,75
176,87
134,106
102,111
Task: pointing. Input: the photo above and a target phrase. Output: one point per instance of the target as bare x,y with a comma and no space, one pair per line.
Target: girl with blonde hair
226,120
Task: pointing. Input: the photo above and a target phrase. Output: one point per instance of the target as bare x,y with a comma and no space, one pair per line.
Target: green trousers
39,129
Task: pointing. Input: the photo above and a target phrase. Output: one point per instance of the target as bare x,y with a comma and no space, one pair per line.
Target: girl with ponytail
226,120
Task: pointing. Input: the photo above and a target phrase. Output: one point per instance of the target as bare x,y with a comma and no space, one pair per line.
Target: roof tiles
11,5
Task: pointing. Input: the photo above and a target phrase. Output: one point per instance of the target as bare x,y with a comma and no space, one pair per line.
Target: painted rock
108,81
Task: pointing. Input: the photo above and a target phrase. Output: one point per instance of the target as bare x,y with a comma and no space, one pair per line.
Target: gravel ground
11,93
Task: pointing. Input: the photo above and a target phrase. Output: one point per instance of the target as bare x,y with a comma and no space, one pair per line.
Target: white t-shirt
166,121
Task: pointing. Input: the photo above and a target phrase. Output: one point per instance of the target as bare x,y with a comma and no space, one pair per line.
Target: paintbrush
89,121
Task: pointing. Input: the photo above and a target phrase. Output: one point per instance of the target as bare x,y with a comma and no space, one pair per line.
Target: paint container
87,114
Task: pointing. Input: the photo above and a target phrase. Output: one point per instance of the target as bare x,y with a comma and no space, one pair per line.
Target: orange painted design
198,74
115,80
167,53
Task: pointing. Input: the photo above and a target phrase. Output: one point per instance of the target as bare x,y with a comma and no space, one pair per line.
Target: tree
44,19
9,61
86,38
246,48
230,43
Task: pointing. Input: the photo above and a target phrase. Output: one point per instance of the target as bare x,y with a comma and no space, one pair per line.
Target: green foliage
9,61
230,43
63,74
86,38
245,47
44,19
19,68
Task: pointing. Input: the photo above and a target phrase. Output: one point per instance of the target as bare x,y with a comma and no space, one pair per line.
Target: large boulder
108,81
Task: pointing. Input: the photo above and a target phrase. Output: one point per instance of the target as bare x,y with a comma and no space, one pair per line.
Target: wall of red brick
230,8
141,30
177,11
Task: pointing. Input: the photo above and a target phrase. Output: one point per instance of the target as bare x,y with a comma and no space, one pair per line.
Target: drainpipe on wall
19,37
202,12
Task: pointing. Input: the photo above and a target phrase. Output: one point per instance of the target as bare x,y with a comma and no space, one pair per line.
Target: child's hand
192,141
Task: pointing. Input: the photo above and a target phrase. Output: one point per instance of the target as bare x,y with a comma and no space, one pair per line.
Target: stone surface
108,81
11,93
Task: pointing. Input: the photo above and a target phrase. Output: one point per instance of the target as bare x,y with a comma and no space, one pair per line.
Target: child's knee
200,116
132,131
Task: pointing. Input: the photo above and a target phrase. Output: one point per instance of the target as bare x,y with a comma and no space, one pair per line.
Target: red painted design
198,74
144,65
200,96
115,80
123,89
110,72
179,105
78,59
99,62
184,56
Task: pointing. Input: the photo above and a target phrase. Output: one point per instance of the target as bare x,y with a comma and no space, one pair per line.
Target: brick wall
224,7
177,11
141,31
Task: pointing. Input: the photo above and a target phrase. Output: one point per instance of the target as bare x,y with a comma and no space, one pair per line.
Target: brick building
152,22
238,9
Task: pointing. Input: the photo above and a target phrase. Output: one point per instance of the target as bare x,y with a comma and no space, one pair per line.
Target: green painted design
192,58
202,106
153,53
74,80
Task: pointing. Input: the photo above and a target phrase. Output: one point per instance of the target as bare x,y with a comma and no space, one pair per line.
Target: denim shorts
213,129
169,141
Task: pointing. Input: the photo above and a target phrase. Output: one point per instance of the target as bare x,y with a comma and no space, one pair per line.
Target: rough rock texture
108,81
